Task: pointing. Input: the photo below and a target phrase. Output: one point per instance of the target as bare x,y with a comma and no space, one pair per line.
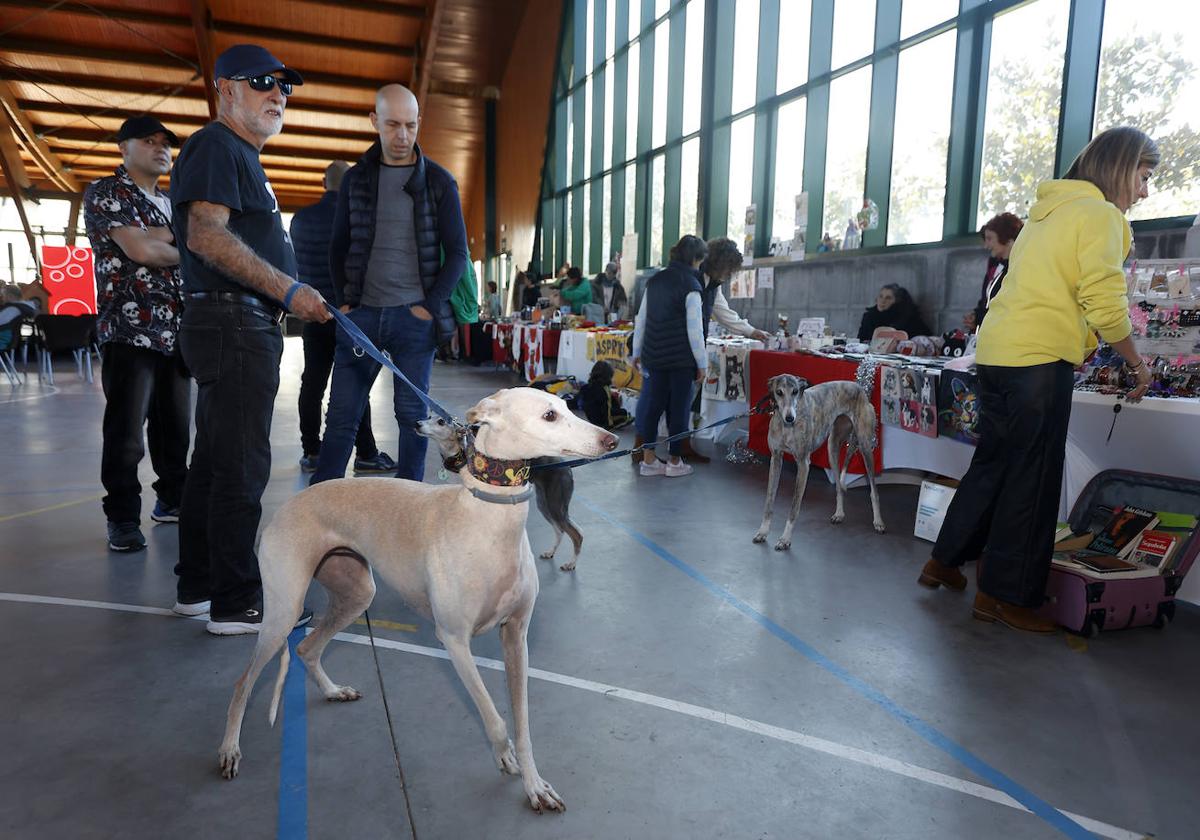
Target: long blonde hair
1111,162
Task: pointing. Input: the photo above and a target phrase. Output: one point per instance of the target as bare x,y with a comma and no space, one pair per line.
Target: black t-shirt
217,166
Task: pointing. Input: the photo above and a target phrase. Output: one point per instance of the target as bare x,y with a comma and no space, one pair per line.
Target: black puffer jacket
440,230
311,228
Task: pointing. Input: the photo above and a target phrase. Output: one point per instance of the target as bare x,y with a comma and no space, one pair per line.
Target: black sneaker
381,463
125,536
246,621
165,513
308,463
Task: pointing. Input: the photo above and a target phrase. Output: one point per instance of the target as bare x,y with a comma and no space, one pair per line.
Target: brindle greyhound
804,416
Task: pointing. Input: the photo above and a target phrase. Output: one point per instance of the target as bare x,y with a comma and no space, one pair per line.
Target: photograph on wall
958,406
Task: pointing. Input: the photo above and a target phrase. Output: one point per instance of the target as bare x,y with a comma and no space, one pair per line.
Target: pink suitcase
1088,602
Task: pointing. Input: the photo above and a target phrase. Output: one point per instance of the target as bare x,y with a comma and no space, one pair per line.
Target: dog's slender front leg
459,648
772,489
558,535
785,540
516,669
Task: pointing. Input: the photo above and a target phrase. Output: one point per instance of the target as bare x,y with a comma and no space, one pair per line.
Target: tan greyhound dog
456,553
804,416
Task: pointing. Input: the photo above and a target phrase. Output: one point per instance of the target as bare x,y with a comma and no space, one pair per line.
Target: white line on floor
832,748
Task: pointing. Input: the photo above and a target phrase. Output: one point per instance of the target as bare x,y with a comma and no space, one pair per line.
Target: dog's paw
542,797
230,758
569,566
879,529
837,518
760,538
783,545
506,759
343,693
547,555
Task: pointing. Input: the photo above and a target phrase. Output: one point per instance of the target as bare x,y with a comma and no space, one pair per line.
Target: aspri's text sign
70,279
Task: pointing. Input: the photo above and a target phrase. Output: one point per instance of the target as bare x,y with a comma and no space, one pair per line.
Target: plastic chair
65,333
10,342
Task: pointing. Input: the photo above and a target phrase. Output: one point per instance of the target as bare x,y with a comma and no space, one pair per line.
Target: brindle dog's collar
496,471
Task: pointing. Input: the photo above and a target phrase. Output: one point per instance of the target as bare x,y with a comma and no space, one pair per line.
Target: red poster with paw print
70,279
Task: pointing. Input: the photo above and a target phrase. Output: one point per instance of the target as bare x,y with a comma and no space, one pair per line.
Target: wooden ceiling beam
150,61
202,32
96,135
423,68
82,158
311,39
46,160
11,153
379,6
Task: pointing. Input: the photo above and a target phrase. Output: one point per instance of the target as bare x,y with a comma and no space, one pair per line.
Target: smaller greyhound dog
552,487
838,412
457,554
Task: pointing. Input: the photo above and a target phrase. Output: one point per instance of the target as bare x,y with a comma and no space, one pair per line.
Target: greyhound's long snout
609,441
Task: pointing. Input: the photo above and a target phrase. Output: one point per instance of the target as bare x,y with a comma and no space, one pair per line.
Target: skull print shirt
138,304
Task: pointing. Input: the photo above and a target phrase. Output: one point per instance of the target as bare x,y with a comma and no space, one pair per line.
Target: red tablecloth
816,369
550,343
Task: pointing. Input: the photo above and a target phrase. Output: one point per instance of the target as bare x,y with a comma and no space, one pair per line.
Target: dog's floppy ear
801,383
486,411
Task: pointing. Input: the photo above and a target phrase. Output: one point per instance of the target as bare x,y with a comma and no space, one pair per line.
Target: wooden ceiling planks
77,70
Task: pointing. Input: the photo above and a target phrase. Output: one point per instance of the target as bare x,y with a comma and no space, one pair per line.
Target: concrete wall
945,282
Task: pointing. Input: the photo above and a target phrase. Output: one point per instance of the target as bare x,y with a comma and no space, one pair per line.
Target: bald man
399,246
311,230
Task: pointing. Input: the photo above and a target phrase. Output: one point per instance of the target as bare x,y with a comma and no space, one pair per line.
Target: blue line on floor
956,751
293,757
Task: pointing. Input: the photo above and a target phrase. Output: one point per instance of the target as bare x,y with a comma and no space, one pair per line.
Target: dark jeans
233,351
667,391
143,387
319,343
1006,507
410,342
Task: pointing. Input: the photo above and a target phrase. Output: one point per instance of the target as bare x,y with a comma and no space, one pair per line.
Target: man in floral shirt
140,302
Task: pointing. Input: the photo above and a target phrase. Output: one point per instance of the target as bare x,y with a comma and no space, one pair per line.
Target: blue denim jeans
670,392
410,342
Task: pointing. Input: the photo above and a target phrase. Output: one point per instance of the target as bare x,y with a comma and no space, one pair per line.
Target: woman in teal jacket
575,293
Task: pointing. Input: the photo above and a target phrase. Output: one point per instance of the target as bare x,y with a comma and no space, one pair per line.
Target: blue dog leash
361,342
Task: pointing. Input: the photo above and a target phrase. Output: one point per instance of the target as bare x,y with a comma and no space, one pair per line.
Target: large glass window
792,70
635,18
585,195
1161,97
590,34
662,52
610,28
568,253
918,15
846,151
924,90
853,30
608,115
689,187
585,125
741,173
1024,93
630,197
631,101
657,196
693,65
789,167
606,237
745,50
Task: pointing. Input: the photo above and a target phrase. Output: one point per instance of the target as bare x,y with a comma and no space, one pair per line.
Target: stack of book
1131,540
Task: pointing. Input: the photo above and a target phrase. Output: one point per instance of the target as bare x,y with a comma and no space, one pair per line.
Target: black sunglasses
264,83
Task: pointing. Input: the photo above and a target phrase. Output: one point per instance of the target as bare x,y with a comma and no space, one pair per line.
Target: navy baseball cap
252,60
135,128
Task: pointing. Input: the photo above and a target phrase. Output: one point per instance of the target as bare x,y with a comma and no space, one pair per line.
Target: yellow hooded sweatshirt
1064,282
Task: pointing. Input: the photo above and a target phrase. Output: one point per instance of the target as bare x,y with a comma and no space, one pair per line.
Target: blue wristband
287,299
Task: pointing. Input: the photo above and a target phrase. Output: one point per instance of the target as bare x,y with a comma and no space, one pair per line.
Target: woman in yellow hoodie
1065,283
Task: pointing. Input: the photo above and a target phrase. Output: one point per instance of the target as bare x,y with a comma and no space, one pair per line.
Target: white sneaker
191,609
675,470
656,467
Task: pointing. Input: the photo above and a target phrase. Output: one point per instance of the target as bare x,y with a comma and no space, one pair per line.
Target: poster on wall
70,279
766,277
748,237
741,285
958,406
800,238
629,249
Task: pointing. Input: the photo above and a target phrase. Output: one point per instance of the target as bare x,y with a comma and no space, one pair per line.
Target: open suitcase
1088,602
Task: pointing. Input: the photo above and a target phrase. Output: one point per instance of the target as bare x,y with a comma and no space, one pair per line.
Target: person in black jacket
398,249
310,230
895,308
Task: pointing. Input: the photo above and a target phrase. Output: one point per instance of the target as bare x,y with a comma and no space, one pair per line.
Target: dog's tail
284,658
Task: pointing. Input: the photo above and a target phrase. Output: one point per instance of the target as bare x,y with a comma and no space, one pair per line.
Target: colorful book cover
1154,549
1120,533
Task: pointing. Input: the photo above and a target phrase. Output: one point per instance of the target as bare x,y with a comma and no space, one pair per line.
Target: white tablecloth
573,355
1155,435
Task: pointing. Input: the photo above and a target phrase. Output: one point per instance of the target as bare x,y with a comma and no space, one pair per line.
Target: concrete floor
690,684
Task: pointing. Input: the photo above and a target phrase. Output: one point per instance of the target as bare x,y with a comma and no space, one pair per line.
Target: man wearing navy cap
139,296
239,277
